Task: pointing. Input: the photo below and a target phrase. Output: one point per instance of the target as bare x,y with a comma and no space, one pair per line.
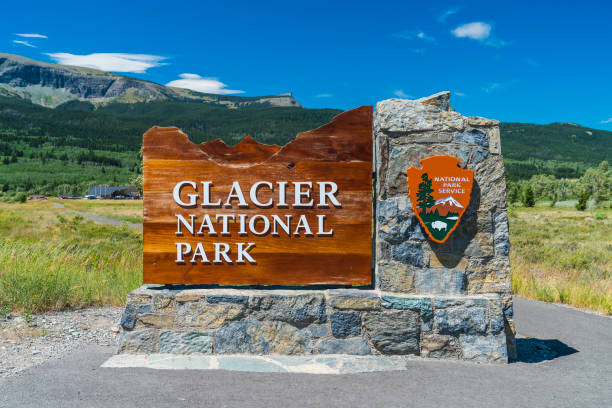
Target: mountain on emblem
446,205
440,193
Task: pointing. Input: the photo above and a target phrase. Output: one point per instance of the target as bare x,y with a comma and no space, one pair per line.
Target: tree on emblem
424,198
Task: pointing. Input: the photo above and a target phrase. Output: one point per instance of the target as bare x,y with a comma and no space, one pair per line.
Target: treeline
594,185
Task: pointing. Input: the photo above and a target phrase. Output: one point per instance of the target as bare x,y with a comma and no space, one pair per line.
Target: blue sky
523,61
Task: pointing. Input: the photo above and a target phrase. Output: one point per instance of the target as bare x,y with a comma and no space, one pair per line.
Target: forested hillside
63,150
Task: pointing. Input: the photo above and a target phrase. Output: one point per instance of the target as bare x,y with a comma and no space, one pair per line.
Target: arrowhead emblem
440,193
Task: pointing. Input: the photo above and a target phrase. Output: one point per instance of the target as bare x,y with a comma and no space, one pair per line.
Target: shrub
20,197
583,197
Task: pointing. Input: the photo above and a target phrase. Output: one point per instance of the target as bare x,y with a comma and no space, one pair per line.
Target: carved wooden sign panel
255,214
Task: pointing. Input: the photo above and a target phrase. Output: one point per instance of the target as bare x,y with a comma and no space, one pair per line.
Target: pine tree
528,197
424,198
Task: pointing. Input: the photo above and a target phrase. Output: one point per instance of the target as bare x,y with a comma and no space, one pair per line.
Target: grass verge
562,255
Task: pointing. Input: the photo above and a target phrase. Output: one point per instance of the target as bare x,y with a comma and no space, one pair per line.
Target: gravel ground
52,335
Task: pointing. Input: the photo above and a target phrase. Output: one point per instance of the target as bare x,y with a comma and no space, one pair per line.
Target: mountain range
51,85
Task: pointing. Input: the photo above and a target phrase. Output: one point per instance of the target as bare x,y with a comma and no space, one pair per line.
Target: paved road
97,218
579,376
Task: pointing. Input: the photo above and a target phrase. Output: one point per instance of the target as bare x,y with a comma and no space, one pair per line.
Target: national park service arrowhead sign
440,193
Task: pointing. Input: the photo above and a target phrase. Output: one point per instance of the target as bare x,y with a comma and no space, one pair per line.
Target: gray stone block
491,348
185,343
317,331
128,318
473,136
345,324
260,338
300,309
420,304
355,301
439,281
478,155
393,331
455,321
445,302
208,315
409,253
139,342
355,345
501,237
227,299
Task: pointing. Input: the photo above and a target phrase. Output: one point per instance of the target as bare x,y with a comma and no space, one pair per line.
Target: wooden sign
440,193
255,214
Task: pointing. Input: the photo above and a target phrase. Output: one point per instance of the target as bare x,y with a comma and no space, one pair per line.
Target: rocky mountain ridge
51,85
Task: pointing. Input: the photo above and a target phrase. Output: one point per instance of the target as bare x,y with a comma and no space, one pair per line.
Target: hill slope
559,149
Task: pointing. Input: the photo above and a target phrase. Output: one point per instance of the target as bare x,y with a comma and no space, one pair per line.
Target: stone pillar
474,260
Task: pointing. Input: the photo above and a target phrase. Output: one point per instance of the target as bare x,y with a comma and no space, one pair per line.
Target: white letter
244,252
206,195
181,220
180,252
329,194
299,194
242,218
253,221
286,227
303,223
225,217
176,194
223,253
253,194
282,189
199,251
236,192
322,226
207,223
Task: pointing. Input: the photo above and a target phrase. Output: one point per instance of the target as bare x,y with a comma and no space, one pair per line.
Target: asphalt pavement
564,361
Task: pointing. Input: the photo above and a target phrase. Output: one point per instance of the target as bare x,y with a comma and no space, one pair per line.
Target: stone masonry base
307,322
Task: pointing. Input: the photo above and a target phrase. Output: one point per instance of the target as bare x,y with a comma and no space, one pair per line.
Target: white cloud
476,31
459,94
200,84
401,94
323,95
116,62
609,120
27,44
446,14
479,31
32,35
414,35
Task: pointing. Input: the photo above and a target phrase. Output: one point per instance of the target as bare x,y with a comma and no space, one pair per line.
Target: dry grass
563,255
50,260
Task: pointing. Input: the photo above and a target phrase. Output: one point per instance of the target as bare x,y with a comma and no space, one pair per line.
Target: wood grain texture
340,151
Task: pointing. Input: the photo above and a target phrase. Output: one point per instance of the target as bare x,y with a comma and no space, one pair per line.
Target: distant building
107,191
